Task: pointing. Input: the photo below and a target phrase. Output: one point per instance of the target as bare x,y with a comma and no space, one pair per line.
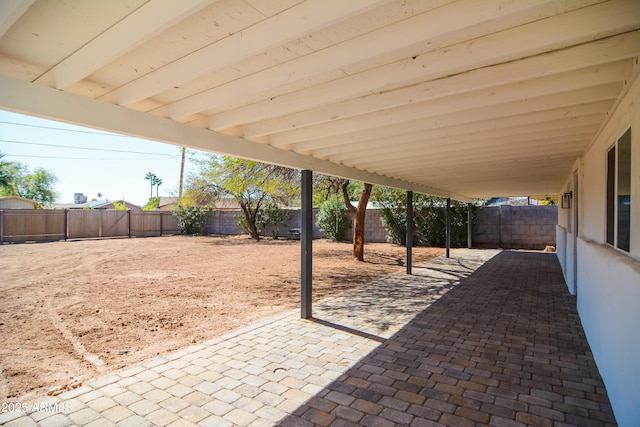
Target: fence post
66,224
129,220
1,226
161,223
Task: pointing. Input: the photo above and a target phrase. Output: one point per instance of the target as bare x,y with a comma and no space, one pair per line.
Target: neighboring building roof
164,201
96,204
16,202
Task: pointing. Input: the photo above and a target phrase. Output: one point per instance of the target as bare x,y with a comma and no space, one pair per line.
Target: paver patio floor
483,338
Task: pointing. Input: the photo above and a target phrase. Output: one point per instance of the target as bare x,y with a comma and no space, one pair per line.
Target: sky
90,161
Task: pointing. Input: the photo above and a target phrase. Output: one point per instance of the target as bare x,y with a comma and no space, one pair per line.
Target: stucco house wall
605,279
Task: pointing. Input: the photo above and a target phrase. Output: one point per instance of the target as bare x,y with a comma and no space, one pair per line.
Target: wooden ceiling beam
550,42
454,22
482,149
136,28
582,80
466,83
517,134
288,25
485,115
448,124
562,145
11,11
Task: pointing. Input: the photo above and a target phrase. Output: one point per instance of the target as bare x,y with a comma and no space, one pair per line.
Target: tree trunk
358,219
250,223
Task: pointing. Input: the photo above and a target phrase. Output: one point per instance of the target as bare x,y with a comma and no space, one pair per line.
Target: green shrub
191,219
429,214
152,205
395,222
272,216
120,206
430,222
332,219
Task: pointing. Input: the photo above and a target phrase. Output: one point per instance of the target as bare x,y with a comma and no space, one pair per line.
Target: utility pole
181,177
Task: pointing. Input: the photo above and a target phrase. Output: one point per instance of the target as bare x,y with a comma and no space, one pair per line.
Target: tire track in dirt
80,349
4,384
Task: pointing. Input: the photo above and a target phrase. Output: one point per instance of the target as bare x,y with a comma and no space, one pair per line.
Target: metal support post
409,243
448,228
66,224
469,224
306,236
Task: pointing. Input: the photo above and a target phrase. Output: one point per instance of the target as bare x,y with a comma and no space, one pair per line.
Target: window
619,193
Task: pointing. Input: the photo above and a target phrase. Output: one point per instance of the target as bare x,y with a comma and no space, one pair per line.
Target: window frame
612,197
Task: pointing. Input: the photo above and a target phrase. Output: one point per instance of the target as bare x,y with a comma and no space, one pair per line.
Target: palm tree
158,184
150,176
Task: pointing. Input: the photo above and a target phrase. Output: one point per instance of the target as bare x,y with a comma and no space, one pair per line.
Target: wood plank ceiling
455,98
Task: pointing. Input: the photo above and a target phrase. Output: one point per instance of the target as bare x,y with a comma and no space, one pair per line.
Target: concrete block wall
516,227
224,222
508,227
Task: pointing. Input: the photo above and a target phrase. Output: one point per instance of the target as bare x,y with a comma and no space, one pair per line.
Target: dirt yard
72,310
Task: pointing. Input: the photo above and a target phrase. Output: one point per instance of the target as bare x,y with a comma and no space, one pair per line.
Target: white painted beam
141,25
11,11
463,142
585,86
484,78
482,130
459,21
481,148
41,101
448,124
291,24
421,163
482,151
507,170
542,37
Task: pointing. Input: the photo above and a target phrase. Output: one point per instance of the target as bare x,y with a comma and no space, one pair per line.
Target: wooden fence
43,225
509,227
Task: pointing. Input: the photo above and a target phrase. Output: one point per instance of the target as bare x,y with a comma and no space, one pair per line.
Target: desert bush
430,223
191,219
332,219
274,217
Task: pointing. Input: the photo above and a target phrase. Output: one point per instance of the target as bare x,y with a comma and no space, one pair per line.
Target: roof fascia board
40,101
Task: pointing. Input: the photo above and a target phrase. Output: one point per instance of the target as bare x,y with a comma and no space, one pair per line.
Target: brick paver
485,337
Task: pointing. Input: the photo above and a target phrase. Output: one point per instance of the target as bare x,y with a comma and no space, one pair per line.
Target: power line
63,129
85,148
88,158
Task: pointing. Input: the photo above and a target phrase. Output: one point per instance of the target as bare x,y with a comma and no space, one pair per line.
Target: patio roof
456,99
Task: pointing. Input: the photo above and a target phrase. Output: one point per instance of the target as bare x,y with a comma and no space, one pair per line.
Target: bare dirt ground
69,309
